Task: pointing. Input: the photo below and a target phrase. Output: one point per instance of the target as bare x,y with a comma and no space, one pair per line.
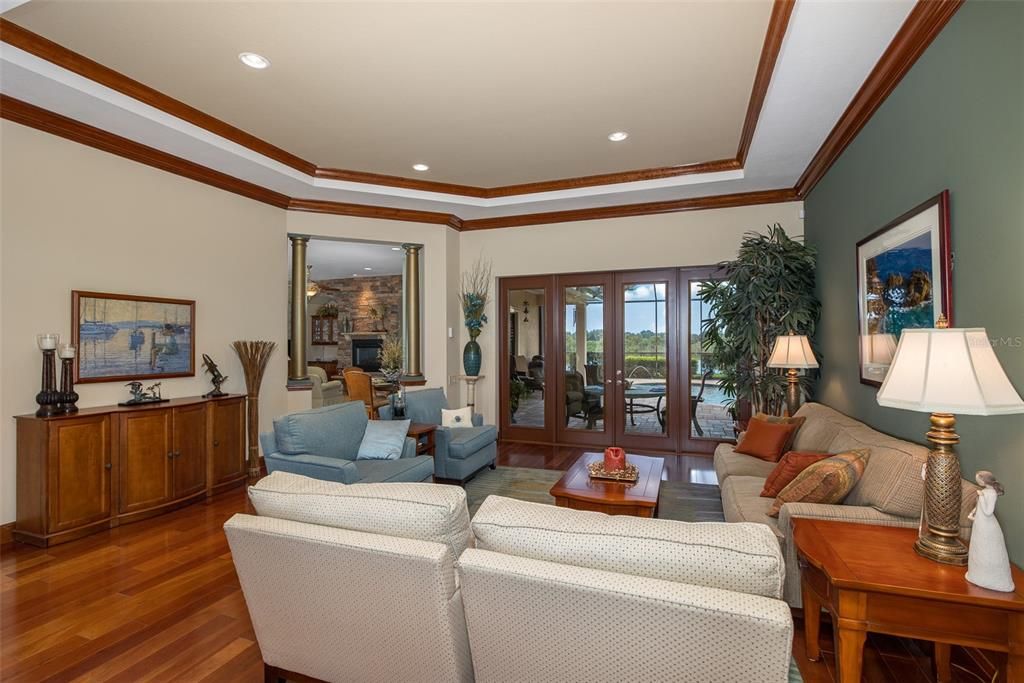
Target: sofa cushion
775,419
729,463
424,405
892,481
465,441
383,440
766,440
820,428
332,432
419,468
739,557
457,418
827,481
742,502
426,512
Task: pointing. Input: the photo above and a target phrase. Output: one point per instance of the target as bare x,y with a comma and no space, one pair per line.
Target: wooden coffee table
578,491
870,579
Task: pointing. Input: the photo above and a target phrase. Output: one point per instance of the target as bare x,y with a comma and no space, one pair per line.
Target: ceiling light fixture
251,59
367,268
618,136
396,249
420,167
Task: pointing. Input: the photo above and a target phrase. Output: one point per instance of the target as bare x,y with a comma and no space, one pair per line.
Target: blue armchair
459,453
322,443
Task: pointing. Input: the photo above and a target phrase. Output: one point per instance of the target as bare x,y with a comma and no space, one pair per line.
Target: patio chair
579,402
694,401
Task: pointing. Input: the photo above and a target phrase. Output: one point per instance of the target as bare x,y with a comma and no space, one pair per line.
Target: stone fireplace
365,350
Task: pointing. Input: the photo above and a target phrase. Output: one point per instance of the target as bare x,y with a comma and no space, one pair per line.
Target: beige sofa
890,492
383,582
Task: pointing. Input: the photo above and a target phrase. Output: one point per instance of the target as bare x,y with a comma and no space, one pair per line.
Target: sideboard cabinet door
146,459
79,472
227,441
189,450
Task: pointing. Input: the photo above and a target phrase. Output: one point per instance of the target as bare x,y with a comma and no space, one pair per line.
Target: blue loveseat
459,453
322,443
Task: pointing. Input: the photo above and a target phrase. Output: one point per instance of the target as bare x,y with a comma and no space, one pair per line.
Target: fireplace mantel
363,335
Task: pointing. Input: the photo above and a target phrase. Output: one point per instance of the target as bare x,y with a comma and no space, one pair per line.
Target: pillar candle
614,459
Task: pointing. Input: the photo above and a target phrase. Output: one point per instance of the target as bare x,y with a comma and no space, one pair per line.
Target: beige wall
676,239
77,218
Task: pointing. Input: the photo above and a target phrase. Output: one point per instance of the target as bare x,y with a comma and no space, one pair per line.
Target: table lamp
943,371
792,351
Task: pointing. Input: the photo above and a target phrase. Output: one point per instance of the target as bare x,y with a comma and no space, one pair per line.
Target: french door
608,358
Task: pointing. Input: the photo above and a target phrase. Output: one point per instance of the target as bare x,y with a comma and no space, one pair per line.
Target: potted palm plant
766,292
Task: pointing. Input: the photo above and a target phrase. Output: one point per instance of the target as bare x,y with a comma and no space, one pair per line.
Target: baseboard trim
7,534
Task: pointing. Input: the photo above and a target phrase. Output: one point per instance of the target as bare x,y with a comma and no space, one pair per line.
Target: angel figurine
988,564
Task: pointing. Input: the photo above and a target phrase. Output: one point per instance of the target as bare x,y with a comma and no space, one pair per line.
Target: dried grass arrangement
254,356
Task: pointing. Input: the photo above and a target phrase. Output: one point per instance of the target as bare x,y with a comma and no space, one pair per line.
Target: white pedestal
471,381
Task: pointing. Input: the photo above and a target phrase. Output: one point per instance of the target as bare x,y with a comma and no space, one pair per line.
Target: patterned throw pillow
792,464
766,440
826,481
456,418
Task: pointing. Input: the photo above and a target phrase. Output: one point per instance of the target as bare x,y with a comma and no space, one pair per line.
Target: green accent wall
955,121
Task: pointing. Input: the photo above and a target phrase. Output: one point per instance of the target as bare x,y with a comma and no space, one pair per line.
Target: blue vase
471,358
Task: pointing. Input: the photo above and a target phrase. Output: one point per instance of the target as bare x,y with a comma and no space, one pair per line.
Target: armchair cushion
465,441
417,468
457,418
383,440
436,513
738,557
425,405
333,432
309,465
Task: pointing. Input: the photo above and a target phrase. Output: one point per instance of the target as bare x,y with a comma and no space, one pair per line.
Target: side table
870,579
424,435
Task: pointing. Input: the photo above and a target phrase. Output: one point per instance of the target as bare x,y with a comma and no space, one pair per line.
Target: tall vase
254,356
471,357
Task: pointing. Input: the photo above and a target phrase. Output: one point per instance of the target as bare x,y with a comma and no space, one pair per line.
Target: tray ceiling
485,93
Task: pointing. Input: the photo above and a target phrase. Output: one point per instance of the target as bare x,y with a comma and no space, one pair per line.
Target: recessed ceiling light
396,249
420,167
618,136
367,268
355,274
254,60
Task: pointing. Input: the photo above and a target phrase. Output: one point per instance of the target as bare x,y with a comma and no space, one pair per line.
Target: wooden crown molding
646,209
41,47
41,119
379,212
925,21
782,10
44,48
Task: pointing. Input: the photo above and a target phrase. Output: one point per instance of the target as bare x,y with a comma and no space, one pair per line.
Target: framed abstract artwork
904,281
121,337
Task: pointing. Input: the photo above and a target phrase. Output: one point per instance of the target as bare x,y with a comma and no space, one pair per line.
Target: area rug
679,500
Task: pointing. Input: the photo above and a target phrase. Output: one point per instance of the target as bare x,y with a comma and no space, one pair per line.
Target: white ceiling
486,93
333,259
829,49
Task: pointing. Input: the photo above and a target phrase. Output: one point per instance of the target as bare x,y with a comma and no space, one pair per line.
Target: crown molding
782,10
69,129
61,56
925,21
379,212
721,201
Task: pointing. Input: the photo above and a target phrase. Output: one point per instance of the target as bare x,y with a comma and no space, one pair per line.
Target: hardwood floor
158,600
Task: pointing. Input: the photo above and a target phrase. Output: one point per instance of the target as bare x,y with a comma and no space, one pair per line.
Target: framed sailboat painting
121,337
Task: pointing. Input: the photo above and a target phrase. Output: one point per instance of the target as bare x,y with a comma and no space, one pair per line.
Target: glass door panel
524,395
706,419
586,374
647,340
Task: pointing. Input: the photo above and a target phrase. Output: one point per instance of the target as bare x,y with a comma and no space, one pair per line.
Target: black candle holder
48,396
68,396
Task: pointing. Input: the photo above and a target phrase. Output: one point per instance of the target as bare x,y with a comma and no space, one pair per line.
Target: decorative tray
629,474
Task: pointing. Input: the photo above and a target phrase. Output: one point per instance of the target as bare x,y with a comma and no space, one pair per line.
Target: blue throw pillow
383,440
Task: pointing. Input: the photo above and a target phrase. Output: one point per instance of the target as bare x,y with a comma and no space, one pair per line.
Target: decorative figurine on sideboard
988,563
68,396
48,397
140,396
216,378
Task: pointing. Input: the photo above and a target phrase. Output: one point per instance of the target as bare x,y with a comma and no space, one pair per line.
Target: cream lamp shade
879,349
950,370
792,351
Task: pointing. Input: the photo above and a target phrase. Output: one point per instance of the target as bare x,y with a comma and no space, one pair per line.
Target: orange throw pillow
775,419
827,481
766,440
792,464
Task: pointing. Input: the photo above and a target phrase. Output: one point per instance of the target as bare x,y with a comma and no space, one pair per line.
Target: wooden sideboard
102,467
